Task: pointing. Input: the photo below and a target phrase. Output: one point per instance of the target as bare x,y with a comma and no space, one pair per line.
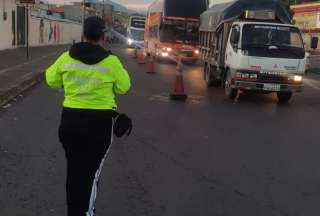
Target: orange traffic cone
151,64
141,57
178,93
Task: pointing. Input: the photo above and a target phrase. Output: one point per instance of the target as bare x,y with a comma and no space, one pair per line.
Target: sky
133,4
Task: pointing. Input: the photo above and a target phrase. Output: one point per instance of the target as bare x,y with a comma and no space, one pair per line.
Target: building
75,12
307,17
12,23
57,12
44,29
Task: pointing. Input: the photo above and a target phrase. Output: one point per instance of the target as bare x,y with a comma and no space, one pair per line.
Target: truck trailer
251,45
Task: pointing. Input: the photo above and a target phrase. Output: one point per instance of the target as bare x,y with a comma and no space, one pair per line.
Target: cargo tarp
185,8
221,13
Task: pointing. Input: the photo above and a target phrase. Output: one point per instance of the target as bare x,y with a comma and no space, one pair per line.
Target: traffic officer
91,78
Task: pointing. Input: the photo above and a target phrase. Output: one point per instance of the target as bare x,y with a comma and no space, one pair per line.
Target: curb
20,87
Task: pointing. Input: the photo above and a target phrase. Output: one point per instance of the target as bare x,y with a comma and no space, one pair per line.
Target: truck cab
264,57
249,45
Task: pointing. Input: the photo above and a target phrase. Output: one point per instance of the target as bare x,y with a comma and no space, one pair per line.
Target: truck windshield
137,34
272,41
179,31
137,22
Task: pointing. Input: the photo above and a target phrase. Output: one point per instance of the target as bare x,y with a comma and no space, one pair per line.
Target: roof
179,8
57,9
221,13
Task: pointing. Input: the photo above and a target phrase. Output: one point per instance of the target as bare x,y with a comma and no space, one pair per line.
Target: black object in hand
123,125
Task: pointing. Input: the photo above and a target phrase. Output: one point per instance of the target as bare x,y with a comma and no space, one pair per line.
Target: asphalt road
206,157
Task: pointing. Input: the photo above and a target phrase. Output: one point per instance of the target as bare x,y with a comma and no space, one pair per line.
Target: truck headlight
164,54
297,78
130,41
169,49
254,76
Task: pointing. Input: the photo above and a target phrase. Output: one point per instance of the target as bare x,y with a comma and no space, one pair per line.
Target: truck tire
231,93
208,75
216,83
284,97
210,79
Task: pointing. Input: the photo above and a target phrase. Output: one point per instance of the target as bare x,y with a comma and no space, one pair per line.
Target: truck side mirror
314,42
235,38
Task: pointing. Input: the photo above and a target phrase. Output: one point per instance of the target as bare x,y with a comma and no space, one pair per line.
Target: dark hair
93,28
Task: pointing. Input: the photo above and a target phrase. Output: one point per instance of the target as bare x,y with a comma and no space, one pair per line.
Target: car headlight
164,54
130,41
197,52
297,78
307,54
169,49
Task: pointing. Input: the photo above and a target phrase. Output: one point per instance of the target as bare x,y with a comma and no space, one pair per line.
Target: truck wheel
284,97
230,92
216,83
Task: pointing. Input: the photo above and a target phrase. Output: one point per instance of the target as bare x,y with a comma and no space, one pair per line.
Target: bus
135,31
172,29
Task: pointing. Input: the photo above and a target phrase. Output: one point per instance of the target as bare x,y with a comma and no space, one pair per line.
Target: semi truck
251,45
172,29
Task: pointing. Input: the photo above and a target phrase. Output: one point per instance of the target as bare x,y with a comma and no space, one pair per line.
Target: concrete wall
6,6
44,31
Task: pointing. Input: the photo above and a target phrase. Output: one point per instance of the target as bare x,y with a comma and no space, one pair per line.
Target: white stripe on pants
94,190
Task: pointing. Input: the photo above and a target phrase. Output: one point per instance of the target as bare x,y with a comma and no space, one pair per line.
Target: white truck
251,45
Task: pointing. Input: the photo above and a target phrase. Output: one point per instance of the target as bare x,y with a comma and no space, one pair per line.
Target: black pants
86,136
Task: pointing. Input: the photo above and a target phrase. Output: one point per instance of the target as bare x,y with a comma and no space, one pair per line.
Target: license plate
271,87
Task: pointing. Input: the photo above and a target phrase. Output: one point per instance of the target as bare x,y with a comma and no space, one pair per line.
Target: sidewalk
17,74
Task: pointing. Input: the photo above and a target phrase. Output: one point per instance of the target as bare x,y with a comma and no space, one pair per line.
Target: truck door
233,46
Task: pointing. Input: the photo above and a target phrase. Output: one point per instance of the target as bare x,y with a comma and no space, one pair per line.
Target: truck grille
270,78
186,53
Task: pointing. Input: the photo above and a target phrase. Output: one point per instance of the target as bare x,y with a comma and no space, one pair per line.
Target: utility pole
103,10
27,29
26,4
83,17
104,20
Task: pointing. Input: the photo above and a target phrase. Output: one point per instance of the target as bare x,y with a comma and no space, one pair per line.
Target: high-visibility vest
89,86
